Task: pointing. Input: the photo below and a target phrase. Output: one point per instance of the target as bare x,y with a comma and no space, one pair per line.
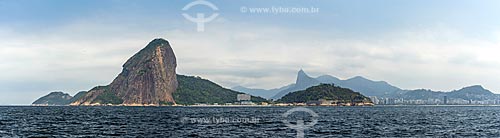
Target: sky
71,46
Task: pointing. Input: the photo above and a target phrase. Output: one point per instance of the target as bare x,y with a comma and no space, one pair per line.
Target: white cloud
66,59
418,58
83,54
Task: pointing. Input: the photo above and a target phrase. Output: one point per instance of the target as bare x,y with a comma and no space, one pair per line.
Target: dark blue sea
377,121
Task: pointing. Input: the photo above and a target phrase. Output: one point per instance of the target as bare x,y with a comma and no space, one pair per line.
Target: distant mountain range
261,92
475,93
371,88
304,81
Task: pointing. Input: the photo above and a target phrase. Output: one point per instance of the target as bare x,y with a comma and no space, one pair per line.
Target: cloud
409,58
68,58
83,54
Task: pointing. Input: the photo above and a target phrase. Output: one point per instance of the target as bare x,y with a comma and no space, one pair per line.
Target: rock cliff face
147,78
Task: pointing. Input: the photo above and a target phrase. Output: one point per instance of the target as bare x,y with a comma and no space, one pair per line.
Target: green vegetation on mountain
324,91
77,96
58,98
108,98
476,93
53,98
193,90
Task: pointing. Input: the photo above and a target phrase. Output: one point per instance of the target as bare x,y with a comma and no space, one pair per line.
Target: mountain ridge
384,89
147,78
265,93
474,92
357,83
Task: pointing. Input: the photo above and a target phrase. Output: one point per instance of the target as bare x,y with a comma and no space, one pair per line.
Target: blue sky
60,45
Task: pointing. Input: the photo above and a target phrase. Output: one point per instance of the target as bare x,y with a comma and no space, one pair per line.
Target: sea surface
377,121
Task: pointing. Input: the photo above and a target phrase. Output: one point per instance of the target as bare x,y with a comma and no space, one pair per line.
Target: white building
243,97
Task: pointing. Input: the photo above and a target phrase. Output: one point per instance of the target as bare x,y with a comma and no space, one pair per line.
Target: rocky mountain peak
302,76
148,77
301,72
304,81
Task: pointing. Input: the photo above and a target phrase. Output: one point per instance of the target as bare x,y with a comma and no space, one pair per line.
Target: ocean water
377,121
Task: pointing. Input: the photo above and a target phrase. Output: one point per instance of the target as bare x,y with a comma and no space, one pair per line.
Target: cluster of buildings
242,99
245,99
431,101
